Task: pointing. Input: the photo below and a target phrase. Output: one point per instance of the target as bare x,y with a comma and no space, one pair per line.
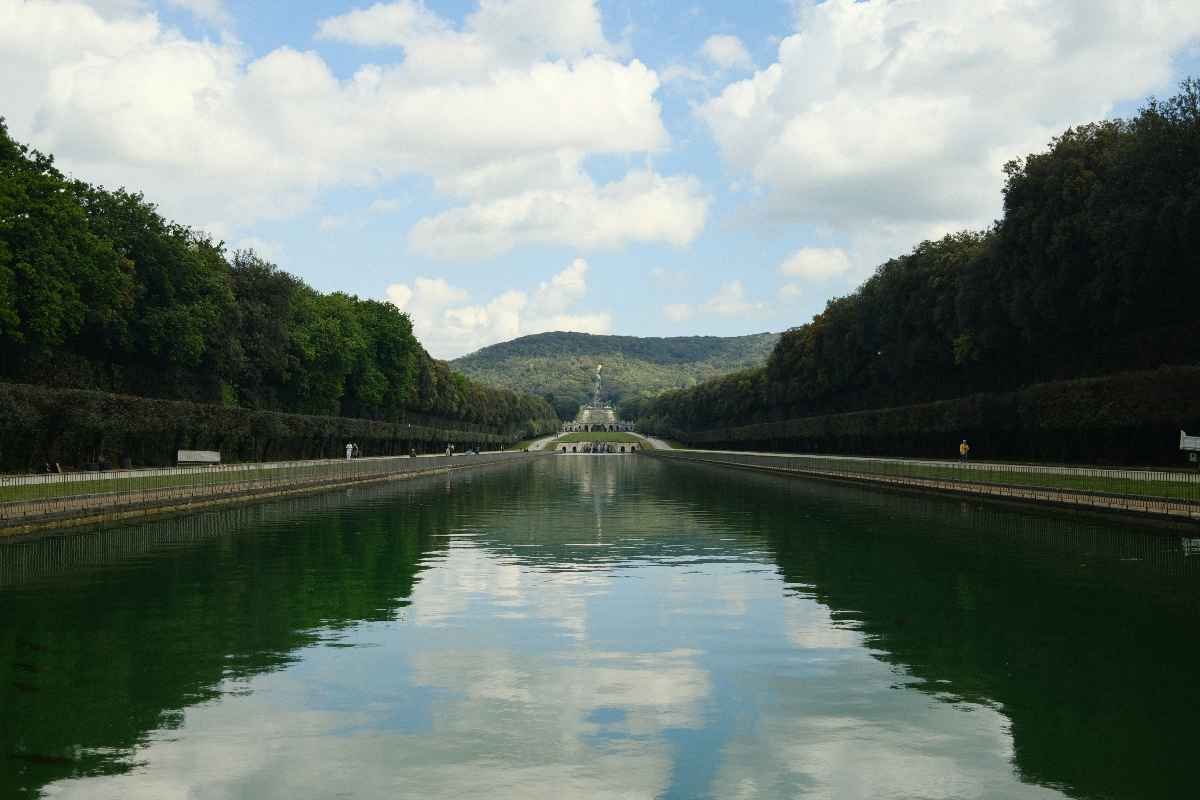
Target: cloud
898,116
221,140
681,72
562,291
213,12
641,207
387,205
449,326
816,263
730,300
509,34
359,219
677,312
717,56
383,24
726,52
790,292
435,292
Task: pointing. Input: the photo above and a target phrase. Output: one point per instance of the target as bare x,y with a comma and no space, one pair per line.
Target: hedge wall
1127,418
73,427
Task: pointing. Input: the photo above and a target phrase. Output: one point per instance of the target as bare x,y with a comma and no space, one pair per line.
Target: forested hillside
98,291
559,366
1093,269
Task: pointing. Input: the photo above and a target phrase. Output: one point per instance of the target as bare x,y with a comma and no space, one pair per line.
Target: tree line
1093,269
99,291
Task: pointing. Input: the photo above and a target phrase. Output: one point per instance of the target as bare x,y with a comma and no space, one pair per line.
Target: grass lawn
1145,486
1087,483
618,438
141,483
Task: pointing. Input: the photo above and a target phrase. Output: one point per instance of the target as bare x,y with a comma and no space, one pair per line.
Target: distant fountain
598,417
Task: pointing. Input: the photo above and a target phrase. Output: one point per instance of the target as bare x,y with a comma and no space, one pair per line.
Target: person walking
963,450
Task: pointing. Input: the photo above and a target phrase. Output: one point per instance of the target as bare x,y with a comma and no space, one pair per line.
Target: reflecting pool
602,627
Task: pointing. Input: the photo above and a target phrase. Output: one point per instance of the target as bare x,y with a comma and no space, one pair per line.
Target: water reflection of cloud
813,739
810,626
504,725
655,691
251,748
468,574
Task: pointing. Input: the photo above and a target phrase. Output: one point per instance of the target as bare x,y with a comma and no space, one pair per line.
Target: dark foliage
1131,417
1094,269
98,291
40,425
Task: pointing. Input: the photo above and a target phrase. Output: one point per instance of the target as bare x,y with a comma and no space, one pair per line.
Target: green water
602,627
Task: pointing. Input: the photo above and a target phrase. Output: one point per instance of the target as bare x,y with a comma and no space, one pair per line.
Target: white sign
198,457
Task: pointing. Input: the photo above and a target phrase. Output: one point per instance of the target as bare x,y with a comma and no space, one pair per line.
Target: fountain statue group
596,387
596,417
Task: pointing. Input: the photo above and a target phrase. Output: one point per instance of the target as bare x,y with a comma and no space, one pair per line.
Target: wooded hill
1093,270
559,366
99,292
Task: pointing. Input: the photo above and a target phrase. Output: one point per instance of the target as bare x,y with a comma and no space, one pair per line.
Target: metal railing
25,499
1170,492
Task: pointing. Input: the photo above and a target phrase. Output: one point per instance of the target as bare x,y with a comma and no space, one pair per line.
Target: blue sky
502,167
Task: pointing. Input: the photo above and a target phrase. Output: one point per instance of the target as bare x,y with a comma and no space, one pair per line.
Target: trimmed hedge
73,427
1127,418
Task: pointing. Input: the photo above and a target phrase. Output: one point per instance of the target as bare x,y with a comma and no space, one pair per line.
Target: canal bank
30,504
1170,495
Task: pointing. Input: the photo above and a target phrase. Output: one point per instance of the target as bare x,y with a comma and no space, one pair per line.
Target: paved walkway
173,489
1181,475
540,444
153,472
657,444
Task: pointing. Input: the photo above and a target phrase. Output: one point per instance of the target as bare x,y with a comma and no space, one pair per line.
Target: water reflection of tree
1080,631
110,636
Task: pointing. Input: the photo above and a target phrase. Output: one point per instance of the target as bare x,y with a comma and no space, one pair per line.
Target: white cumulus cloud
213,12
891,120
816,263
730,300
500,34
449,325
221,139
641,207
727,52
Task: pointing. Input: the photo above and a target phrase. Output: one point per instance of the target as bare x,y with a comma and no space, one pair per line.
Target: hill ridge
558,365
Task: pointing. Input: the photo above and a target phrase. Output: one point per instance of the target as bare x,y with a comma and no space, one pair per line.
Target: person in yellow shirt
963,449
